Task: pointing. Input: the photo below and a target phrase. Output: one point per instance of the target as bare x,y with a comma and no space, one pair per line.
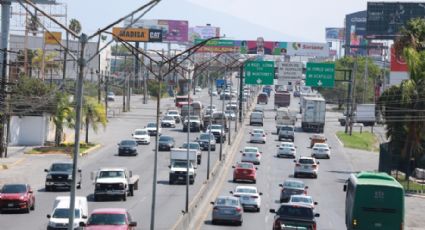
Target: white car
175,114
321,150
258,135
168,121
302,199
251,154
286,149
141,136
230,114
151,128
249,197
211,107
306,166
198,89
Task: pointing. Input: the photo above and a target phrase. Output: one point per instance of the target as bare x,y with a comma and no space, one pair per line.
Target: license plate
180,178
245,198
109,192
227,211
305,167
10,205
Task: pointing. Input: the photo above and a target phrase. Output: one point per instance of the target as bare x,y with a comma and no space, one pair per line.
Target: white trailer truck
178,165
313,114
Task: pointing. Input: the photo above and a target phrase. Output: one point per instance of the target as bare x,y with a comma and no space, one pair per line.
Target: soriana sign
398,64
308,49
52,38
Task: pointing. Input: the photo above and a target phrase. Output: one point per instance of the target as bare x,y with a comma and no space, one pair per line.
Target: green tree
405,103
64,115
153,87
75,25
93,115
50,64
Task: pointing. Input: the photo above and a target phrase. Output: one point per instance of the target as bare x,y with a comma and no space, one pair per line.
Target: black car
59,176
291,187
127,147
205,140
166,143
294,216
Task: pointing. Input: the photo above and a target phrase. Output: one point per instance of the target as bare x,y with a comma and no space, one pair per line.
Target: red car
245,171
109,219
17,197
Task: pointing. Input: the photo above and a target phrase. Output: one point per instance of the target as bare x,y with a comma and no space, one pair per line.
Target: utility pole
352,96
136,67
106,91
145,78
209,126
128,92
230,118
240,92
186,210
124,93
78,108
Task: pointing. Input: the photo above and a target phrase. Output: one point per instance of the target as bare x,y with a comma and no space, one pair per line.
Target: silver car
227,209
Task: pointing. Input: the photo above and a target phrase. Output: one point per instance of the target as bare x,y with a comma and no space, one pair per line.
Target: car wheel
234,180
264,142
214,222
240,223
295,175
124,197
95,198
254,181
27,210
48,188
258,209
315,176
33,206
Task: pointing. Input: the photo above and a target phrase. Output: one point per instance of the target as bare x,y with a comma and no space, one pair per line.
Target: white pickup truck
114,182
178,165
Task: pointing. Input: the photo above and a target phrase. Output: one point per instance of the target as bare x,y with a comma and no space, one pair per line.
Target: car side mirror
330,147
82,224
231,192
130,173
315,203
84,217
48,216
260,193
318,163
316,215
306,187
133,224
256,168
92,175
277,146
79,170
233,166
30,191
280,185
212,202
132,134
272,211
241,151
169,166
345,188
46,170
295,161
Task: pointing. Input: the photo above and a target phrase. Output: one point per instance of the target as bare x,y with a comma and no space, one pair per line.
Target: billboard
355,30
172,30
203,32
398,64
262,47
52,38
308,49
138,34
334,34
385,19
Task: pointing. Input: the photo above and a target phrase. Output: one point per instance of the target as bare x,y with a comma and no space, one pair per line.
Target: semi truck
284,117
178,165
313,114
365,114
282,99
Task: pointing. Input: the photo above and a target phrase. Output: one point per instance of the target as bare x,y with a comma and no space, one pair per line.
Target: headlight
49,176
121,186
70,177
22,197
97,185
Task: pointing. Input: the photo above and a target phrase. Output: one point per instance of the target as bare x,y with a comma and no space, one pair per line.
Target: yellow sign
52,38
131,34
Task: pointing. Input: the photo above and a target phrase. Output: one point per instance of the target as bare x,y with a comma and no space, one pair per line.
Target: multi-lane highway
170,199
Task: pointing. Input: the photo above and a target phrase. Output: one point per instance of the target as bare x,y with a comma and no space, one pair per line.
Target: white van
256,118
60,214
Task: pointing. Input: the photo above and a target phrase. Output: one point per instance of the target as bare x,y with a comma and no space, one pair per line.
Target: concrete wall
28,130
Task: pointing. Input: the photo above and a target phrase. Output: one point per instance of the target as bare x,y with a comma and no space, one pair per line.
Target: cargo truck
282,99
365,114
284,116
313,114
178,165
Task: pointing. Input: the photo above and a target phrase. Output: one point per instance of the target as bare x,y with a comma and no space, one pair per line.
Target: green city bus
373,201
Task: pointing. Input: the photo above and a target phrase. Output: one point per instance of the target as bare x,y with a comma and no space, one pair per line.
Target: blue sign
220,83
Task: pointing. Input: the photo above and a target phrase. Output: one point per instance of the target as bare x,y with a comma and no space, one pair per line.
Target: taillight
401,226
215,208
237,195
297,165
255,197
264,135
238,209
314,166
314,226
305,192
257,154
277,225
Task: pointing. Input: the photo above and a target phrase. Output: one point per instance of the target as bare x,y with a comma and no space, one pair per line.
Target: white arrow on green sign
320,75
259,72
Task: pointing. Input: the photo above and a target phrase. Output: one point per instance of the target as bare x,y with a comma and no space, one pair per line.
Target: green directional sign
320,75
259,72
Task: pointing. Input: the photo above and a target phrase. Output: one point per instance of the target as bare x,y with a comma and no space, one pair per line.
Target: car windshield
246,190
191,145
181,164
301,199
128,142
165,138
227,202
151,125
287,128
193,118
111,94
107,219
287,145
215,126
296,211
293,184
14,188
61,167
257,131
245,166
168,118
141,132
206,137
173,113
250,150
106,174
306,161
63,213
320,146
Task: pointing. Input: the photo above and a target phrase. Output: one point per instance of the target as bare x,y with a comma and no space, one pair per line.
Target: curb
10,165
97,146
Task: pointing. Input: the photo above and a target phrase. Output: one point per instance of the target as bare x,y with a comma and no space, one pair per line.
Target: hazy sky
282,20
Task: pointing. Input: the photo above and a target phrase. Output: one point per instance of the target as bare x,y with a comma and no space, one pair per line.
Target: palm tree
49,61
93,115
64,115
75,25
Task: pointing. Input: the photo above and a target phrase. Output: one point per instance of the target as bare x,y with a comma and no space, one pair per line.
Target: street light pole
186,210
209,126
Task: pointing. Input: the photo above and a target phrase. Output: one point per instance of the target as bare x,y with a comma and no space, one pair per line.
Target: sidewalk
15,155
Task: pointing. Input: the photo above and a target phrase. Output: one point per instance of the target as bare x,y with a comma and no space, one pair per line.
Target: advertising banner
172,30
398,64
138,34
308,49
203,32
52,38
289,71
262,47
385,19
334,34
355,29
